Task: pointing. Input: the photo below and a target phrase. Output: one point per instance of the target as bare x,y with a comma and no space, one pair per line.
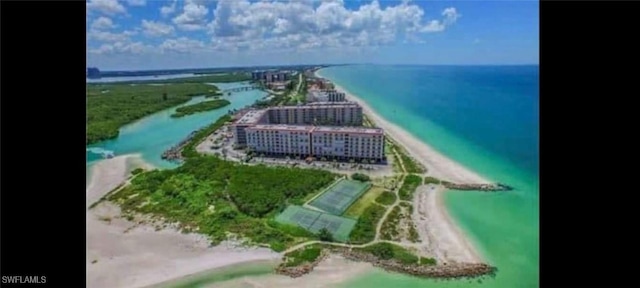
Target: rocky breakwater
478,187
175,152
447,271
300,270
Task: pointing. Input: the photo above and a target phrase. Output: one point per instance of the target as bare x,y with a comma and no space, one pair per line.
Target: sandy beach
442,238
125,254
122,253
329,273
437,164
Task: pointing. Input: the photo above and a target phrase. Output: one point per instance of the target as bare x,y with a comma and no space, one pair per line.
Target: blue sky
166,34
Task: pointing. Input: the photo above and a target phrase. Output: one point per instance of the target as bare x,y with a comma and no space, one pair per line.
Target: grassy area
386,198
413,233
365,200
410,164
213,197
431,180
390,251
427,261
411,182
389,229
307,254
110,106
365,229
200,107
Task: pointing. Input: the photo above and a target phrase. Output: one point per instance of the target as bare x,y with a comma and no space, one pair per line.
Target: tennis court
314,221
340,196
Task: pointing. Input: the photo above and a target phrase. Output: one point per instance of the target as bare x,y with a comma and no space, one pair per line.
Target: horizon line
297,65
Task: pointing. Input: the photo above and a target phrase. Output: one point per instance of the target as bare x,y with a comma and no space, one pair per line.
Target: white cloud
269,25
240,24
193,17
182,45
450,15
169,9
122,48
102,23
156,29
109,7
433,26
137,2
105,36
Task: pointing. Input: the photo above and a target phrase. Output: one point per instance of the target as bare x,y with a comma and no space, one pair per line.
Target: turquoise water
156,133
483,117
486,118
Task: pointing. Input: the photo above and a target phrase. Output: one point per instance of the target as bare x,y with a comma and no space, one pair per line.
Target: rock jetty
480,187
305,268
175,152
448,271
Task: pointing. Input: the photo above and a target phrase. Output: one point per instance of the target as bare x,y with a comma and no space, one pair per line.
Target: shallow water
152,135
486,118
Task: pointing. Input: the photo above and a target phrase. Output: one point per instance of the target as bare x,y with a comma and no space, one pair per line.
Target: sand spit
125,254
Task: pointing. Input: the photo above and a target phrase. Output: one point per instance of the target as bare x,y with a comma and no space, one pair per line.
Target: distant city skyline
149,35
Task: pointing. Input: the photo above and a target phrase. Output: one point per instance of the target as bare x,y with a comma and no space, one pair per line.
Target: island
200,107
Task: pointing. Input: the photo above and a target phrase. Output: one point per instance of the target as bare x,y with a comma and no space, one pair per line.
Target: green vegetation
411,182
325,235
445,183
427,261
211,78
189,149
110,106
300,256
387,251
413,233
431,180
137,171
365,200
365,229
200,107
214,196
293,230
386,198
389,228
360,177
410,164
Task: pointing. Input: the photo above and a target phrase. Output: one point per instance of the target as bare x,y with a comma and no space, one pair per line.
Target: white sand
143,256
437,164
329,273
441,236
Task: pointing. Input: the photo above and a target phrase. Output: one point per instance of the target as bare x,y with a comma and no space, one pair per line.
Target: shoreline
122,253
437,164
439,231
163,256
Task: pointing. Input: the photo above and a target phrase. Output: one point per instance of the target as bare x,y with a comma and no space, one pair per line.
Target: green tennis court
340,196
313,221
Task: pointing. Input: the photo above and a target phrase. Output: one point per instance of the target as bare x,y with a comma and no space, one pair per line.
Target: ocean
486,118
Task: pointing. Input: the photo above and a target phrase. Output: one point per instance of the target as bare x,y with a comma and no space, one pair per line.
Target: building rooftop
321,105
251,117
358,130
284,127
